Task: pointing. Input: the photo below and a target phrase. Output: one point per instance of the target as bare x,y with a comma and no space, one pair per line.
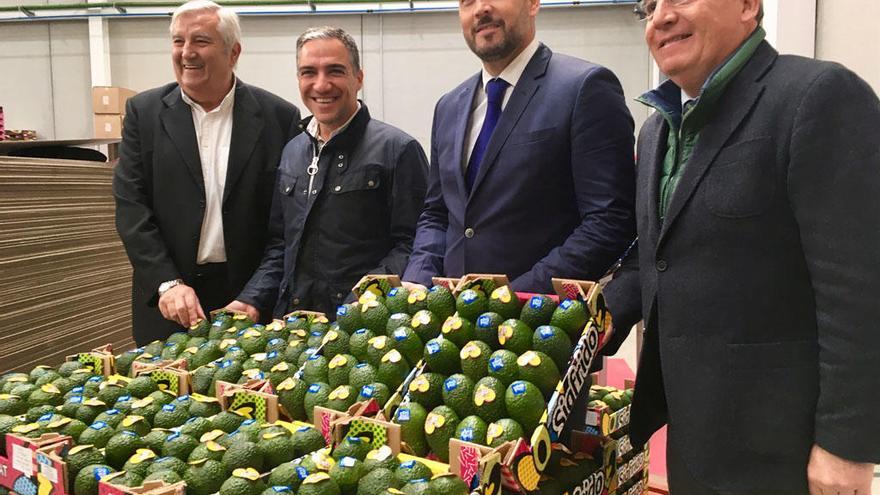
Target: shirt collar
225,104
312,127
516,67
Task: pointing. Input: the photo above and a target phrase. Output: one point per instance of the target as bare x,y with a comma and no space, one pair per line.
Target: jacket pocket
773,389
368,179
531,137
740,182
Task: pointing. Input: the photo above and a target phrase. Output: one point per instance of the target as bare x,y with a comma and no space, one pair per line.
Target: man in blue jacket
348,194
532,170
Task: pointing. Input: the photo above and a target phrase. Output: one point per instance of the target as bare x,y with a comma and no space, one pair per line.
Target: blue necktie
495,94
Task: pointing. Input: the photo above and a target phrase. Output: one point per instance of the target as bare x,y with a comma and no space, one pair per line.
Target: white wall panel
846,32
26,84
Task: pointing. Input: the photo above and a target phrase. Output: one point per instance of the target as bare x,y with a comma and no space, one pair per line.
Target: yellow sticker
79,448
415,296
130,420
340,392
58,423
367,296
502,294
259,357
505,332
529,358
141,455
323,461
392,356
299,332
369,303
330,337
378,342
287,384
380,454
211,436
420,384
17,379
282,366
215,447
494,431
252,333
484,395
26,428
191,350
337,362
8,396
203,398
433,422
274,326
98,403
239,317
470,351
50,389
252,373
226,343
321,319
247,473
112,476
198,462
273,434
146,355
451,324
315,478
81,371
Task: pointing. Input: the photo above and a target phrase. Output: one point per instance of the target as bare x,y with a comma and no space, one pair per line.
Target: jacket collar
349,137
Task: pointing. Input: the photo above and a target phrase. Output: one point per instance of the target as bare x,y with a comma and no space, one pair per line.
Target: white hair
228,25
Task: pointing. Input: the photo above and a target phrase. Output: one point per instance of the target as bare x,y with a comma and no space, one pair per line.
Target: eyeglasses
644,9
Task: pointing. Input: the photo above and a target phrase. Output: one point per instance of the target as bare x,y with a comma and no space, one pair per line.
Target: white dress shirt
214,136
511,75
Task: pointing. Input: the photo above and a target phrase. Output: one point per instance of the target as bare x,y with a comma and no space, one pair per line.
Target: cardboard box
150,487
252,399
379,285
100,360
108,126
110,99
35,463
169,377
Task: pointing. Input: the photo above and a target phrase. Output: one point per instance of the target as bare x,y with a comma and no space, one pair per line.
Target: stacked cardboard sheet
65,281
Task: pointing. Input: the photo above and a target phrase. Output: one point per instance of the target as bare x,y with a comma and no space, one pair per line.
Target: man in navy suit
532,170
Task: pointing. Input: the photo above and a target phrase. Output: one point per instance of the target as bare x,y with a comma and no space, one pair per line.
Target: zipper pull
312,170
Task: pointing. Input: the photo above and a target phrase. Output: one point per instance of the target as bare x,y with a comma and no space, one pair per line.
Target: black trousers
682,482
211,283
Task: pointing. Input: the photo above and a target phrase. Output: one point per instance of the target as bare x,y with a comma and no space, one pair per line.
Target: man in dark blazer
194,181
756,273
533,179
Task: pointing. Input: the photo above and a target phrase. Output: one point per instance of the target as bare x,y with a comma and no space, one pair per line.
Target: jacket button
339,295
341,157
661,265
469,232
337,188
287,189
371,183
296,300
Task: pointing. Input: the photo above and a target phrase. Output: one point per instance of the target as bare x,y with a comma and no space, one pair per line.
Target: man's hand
251,311
411,286
828,474
181,304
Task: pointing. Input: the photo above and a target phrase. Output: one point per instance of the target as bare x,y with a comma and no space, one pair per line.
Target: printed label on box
23,460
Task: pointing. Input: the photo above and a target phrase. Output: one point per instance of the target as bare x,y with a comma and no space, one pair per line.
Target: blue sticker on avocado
566,304
218,323
313,388
46,417
400,334
100,472
168,408
408,464
314,356
96,379
496,363
484,321
77,390
367,391
76,399
272,355
233,348
518,388
258,326
341,311
98,425
403,415
281,489
360,365
536,303
433,347
183,398
111,412
129,433
172,437
469,296
450,384
467,434
248,422
123,398
241,332
545,332
170,344
393,292
302,473
360,331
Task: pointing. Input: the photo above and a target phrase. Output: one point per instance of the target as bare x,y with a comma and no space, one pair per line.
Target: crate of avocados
100,360
500,376
169,377
252,399
448,282
158,487
34,464
623,465
379,285
362,425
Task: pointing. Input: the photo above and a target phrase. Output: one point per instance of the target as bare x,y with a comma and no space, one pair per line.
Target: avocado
538,368
427,390
227,421
347,473
393,369
374,316
447,484
97,434
306,440
316,369
316,395
457,393
243,455
362,374
204,478
81,456
505,303
339,368
359,342
377,347
515,336
335,343
472,429
178,445
396,300
538,310
121,447
170,416
458,330
441,302
440,426
554,342
411,418
244,482
426,324
291,394
442,356
277,447
86,481
503,430
486,329
352,446
571,316
376,481
525,404
348,316
488,399
475,359
408,343
412,470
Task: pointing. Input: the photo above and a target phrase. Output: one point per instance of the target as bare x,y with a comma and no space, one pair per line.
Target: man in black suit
194,181
758,205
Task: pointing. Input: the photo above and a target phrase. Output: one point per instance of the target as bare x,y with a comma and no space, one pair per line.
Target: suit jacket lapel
247,125
177,120
650,162
463,106
522,94
732,108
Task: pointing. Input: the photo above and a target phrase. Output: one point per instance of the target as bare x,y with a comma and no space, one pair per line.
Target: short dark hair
330,33
760,16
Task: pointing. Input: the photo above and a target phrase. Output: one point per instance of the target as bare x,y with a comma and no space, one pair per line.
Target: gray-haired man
195,174
349,190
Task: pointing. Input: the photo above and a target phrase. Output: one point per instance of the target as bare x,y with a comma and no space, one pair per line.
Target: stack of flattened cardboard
65,281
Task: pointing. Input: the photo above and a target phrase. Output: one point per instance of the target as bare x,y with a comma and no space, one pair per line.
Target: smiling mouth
324,100
192,67
488,25
674,39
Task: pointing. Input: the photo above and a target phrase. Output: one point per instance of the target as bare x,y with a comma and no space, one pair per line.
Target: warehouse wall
409,61
846,32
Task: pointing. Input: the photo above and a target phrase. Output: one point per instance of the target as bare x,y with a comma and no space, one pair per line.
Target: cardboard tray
254,399
100,360
35,464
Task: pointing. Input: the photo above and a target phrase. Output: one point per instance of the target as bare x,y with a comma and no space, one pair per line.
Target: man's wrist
166,286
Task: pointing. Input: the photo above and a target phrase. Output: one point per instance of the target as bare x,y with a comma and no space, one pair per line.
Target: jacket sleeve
429,245
135,220
603,176
261,291
406,197
623,298
834,192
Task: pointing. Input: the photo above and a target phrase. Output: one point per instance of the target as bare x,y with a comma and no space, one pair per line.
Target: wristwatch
166,286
